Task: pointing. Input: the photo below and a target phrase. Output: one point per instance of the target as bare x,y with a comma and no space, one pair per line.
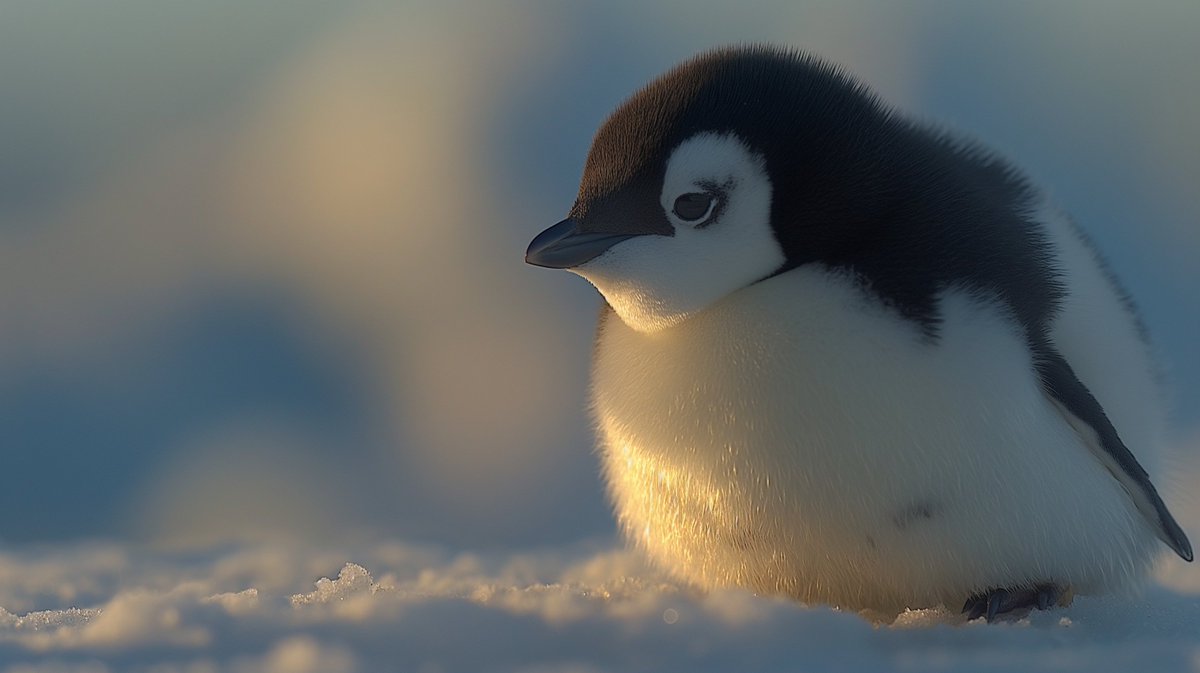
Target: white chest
799,438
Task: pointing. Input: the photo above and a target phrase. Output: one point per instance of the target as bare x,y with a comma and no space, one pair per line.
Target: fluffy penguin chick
851,359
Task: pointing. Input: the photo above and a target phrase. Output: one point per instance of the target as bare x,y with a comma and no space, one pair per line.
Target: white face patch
654,282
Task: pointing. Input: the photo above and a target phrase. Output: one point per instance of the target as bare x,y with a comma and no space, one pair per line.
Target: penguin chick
851,359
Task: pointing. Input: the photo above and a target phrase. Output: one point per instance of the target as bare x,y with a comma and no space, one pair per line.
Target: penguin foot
996,602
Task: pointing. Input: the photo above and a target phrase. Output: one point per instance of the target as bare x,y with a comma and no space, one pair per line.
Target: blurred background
261,263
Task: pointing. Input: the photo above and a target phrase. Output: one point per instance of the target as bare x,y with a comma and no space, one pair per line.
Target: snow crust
591,607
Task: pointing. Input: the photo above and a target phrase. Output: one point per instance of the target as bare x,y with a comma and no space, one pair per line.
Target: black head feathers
907,209
769,96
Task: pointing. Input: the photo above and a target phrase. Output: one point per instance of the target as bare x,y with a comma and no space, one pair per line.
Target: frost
237,603
353,579
278,609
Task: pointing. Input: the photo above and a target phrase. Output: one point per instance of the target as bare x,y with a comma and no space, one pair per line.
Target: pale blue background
261,268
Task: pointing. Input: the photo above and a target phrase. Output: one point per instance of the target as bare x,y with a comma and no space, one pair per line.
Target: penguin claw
998,598
997,602
1047,596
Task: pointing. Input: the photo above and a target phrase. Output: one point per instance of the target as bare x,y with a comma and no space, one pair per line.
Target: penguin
853,359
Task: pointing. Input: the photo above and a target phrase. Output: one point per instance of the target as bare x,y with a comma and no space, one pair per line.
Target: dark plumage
866,190
835,331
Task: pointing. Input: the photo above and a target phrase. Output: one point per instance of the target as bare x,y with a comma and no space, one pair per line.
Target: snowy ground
247,285
394,606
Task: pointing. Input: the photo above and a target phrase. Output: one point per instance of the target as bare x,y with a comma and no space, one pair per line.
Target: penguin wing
1083,412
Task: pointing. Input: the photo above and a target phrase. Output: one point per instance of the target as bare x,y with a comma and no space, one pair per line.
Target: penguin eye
694,206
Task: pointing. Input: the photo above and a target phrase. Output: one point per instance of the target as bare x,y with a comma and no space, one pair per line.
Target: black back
906,210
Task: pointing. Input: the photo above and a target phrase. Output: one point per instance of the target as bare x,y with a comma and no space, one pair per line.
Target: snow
290,608
226,310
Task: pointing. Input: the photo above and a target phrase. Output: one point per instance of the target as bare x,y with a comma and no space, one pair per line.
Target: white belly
798,438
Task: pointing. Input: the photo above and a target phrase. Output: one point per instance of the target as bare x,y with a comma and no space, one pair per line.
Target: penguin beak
563,246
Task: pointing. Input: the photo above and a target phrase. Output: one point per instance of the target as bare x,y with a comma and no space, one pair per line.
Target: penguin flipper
1083,413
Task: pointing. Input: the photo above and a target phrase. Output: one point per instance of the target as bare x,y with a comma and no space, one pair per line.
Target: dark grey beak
563,246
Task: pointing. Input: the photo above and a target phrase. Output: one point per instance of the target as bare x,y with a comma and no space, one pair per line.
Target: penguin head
733,167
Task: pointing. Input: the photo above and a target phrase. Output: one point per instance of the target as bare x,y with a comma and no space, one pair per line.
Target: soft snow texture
396,606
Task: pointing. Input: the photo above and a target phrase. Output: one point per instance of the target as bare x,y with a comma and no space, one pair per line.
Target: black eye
694,206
